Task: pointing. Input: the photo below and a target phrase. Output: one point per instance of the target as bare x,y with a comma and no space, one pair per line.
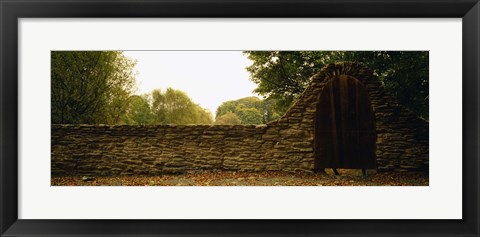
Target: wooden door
344,126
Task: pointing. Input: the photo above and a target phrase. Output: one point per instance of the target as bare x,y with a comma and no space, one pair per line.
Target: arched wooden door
345,134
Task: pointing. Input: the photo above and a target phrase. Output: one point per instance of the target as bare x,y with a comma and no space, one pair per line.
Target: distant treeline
248,110
168,106
98,87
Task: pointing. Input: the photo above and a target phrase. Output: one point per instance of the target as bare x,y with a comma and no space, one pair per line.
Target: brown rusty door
344,126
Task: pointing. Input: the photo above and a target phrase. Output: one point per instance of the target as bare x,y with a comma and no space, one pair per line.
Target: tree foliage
283,75
168,106
139,110
250,116
97,87
175,107
249,110
228,118
90,87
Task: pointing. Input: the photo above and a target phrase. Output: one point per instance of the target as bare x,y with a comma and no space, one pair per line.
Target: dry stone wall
282,145
402,137
159,149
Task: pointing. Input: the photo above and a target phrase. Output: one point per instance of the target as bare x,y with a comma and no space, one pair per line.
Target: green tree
235,105
226,107
228,118
139,111
90,87
175,107
250,110
283,75
250,116
204,115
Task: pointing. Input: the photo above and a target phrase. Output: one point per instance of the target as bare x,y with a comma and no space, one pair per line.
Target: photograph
239,118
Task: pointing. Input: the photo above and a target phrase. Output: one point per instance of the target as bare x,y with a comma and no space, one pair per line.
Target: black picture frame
11,11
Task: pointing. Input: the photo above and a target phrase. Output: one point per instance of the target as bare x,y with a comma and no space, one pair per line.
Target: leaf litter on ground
271,178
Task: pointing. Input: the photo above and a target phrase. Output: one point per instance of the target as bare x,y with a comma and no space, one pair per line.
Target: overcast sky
208,77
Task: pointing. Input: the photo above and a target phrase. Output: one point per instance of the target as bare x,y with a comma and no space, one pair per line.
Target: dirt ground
228,178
